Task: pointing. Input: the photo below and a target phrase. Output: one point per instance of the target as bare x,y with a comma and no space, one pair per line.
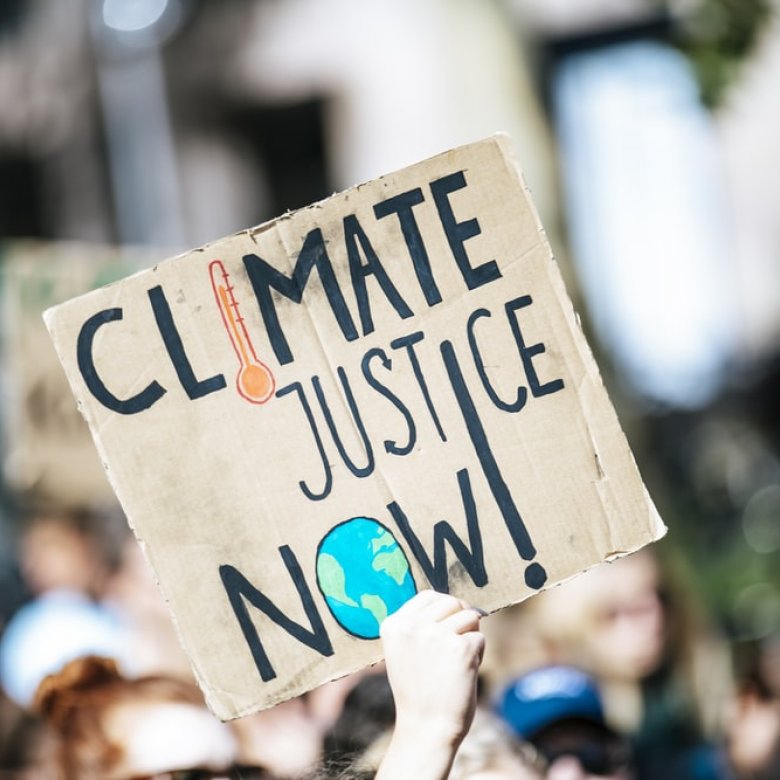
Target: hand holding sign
426,414
433,650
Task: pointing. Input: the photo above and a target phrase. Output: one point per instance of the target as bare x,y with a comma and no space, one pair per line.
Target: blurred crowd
614,674
241,109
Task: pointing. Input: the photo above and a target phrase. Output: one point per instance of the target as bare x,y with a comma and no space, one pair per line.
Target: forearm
419,751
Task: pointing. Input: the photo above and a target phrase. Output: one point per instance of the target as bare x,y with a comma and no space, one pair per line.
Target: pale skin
433,649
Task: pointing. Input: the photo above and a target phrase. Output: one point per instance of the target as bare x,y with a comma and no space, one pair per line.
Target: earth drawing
363,574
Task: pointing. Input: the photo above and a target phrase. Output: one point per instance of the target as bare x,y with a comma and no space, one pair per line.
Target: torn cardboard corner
307,424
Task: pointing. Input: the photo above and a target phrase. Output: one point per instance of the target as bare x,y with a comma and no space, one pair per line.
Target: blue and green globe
363,574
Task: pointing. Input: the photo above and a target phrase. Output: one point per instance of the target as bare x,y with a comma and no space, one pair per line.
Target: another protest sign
48,454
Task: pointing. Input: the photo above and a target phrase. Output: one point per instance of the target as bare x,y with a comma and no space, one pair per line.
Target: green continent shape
393,563
384,539
375,606
332,579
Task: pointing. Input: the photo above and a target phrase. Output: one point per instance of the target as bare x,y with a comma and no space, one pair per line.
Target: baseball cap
549,695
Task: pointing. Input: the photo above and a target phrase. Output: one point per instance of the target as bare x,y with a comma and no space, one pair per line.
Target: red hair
75,702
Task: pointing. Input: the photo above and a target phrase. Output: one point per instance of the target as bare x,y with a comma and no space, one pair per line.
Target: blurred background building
132,129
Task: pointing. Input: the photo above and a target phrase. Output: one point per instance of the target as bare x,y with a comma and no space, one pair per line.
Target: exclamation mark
254,380
535,575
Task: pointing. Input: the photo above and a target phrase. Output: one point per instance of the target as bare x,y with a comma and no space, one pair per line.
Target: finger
420,601
440,608
412,607
463,621
408,614
477,642
466,605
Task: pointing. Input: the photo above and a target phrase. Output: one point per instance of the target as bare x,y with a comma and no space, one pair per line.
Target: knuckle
449,601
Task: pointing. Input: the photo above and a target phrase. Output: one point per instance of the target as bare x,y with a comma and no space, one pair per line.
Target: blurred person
489,752
558,710
66,560
662,674
64,550
152,646
327,702
286,739
368,714
753,717
136,627
109,727
22,739
113,728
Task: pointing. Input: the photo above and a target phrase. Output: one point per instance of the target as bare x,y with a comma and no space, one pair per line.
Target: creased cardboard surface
288,451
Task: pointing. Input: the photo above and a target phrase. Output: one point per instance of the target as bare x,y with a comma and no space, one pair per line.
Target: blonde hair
488,745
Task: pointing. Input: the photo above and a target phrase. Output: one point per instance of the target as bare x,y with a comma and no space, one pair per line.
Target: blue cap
549,695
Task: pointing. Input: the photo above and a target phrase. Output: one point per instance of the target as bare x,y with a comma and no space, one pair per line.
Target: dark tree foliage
717,37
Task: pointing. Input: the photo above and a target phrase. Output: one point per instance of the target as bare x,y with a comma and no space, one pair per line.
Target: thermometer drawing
254,380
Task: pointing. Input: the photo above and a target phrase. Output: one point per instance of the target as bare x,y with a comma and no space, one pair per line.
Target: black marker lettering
402,206
409,342
173,343
459,232
535,576
264,276
470,556
137,403
390,446
522,393
298,388
526,353
239,588
358,471
354,235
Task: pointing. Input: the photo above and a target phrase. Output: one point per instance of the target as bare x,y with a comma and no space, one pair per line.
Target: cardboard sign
48,453
310,421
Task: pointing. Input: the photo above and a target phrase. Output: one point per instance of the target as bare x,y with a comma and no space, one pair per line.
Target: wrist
420,748
437,730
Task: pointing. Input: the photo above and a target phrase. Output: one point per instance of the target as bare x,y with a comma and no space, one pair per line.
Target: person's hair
369,711
21,735
103,528
487,744
74,703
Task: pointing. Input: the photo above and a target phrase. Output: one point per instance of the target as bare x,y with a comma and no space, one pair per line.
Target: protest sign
311,420
48,454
